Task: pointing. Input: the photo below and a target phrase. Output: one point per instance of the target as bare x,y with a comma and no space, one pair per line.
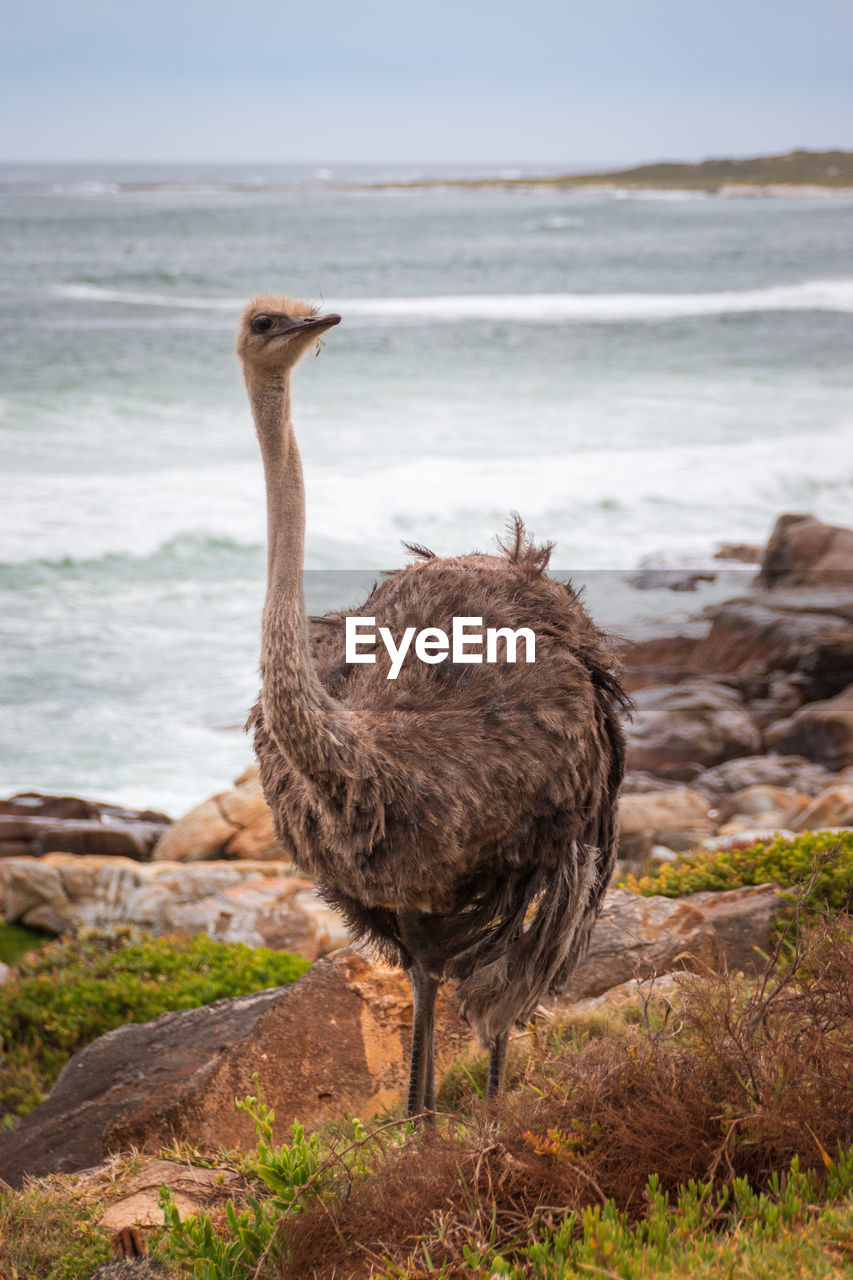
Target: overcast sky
553,82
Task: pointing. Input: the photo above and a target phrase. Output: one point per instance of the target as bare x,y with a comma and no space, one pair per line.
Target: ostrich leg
429,1088
422,1075
497,1062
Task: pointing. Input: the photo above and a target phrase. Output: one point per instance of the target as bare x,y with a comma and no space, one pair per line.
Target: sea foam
529,308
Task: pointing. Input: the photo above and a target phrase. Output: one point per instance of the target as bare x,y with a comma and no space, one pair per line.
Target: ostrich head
275,332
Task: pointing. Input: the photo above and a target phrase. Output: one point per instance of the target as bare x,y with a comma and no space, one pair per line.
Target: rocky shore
743,729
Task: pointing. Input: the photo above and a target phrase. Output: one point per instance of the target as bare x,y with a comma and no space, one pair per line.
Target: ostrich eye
261,324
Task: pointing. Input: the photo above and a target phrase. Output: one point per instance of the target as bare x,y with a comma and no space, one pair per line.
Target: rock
676,818
821,731
745,836
27,885
637,783
257,841
792,773
259,913
784,696
202,833
257,903
335,1041
807,631
638,937
639,991
332,931
32,824
741,552
832,808
244,805
232,824
764,806
802,549
662,853
681,728
763,827
132,1200
659,660
671,579
743,921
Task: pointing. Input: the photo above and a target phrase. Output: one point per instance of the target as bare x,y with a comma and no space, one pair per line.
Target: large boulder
231,824
680,729
637,937
256,903
743,921
821,731
200,834
807,631
804,550
32,824
335,1041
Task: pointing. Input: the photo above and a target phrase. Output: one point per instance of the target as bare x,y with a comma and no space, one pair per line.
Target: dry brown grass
737,1082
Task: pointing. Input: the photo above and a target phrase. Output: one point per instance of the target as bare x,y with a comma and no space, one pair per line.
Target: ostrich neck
308,726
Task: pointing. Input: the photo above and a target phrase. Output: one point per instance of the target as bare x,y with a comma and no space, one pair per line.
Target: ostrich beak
309,324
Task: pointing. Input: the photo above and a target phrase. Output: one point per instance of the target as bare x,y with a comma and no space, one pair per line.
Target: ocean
642,376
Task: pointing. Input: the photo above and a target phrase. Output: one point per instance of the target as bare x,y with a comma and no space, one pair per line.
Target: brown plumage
462,817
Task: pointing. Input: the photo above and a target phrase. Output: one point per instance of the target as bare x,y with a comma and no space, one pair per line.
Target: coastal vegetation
793,168
66,994
823,858
16,940
703,1129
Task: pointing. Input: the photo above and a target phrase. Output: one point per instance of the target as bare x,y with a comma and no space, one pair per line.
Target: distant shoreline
732,191
796,173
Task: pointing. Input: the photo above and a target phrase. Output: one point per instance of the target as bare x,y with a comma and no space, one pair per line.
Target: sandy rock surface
130,1199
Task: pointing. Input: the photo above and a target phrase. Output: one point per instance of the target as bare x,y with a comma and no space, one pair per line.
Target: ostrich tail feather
504,989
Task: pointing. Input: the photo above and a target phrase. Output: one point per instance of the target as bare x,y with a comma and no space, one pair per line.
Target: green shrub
829,855
72,991
16,941
684,1237
227,1250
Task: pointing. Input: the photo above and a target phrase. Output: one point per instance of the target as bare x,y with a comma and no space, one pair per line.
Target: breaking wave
530,308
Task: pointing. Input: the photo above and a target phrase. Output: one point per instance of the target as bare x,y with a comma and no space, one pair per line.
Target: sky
537,82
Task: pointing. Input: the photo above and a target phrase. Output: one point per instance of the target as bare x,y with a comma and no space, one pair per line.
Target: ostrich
462,816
